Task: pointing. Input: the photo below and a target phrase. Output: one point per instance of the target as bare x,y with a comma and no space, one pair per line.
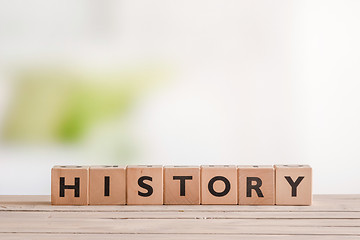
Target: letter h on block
69,185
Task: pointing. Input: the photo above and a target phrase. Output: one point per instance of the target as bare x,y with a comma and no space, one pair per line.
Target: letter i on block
256,185
293,184
69,185
182,185
218,184
107,185
144,185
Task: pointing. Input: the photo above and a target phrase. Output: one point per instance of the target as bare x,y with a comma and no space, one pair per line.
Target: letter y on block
293,184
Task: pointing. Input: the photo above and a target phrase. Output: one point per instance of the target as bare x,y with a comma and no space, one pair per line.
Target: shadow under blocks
182,185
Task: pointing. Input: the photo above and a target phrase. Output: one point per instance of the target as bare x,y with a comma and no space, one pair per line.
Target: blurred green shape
62,106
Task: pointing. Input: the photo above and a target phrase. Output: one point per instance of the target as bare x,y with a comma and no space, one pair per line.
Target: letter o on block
218,184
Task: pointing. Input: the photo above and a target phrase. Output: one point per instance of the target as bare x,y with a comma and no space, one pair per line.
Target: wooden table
32,217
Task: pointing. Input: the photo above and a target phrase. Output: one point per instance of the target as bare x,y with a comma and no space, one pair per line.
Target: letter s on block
146,186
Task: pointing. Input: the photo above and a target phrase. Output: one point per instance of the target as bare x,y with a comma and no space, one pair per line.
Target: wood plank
76,217
47,236
32,217
182,215
178,226
322,203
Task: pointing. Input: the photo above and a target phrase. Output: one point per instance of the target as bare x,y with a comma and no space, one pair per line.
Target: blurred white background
247,82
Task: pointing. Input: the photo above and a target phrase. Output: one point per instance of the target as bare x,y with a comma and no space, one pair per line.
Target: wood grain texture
219,184
298,175
182,185
108,191
144,185
33,217
74,182
260,175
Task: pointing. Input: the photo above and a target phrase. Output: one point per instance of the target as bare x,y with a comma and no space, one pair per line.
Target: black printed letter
182,183
211,186
146,186
76,187
256,187
294,185
106,186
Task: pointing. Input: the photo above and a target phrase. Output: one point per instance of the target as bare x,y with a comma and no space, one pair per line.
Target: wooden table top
32,217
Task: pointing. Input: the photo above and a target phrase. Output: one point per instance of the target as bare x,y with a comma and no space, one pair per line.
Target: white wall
256,82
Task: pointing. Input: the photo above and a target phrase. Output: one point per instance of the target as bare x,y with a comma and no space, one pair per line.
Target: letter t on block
293,184
182,185
69,185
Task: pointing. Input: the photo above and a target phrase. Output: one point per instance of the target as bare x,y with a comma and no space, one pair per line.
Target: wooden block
69,185
107,185
144,185
293,184
256,185
218,184
182,185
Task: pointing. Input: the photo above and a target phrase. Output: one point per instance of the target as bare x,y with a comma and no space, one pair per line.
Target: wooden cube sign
69,185
182,185
218,184
293,184
144,185
256,185
107,185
